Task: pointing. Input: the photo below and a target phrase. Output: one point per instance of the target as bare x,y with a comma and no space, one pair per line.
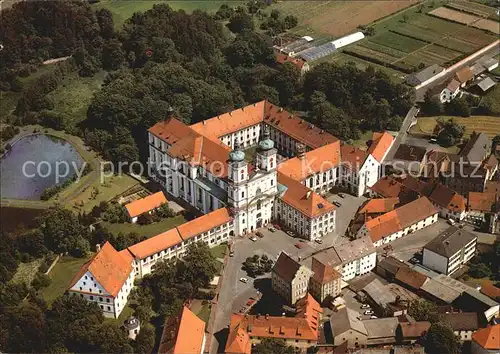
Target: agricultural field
338,18
414,39
472,8
487,124
466,19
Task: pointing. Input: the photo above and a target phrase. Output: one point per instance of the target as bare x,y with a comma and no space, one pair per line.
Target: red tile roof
388,187
305,326
315,161
414,329
109,268
192,147
143,205
488,338
155,244
231,122
381,142
323,273
283,58
352,157
295,127
380,205
190,334
480,201
303,199
488,289
463,75
204,223
400,218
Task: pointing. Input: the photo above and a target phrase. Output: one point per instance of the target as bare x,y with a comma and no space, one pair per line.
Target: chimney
281,109
204,123
230,114
308,195
243,109
98,247
267,316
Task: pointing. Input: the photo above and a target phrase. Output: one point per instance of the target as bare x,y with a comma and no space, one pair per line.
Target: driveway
405,247
345,213
234,294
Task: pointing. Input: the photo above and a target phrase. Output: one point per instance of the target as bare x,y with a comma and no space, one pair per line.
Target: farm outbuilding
349,39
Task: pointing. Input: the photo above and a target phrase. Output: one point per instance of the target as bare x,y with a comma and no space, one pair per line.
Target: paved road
410,116
420,93
234,294
405,247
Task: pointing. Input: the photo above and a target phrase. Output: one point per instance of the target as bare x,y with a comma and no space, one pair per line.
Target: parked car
365,306
253,238
373,317
290,233
319,240
277,227
451,221
341,195
368,312
299,245
231,254
244,280
260,234
272,229
337,204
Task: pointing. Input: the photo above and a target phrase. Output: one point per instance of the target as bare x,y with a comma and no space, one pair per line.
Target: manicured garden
149,230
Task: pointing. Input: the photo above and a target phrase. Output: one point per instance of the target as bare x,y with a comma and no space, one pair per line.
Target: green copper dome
266,144
236,155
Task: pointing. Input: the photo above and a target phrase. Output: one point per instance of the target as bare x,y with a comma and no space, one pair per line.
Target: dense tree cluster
441,339
366,99
72,324
164,58
486,264
32,32
450,133
171,284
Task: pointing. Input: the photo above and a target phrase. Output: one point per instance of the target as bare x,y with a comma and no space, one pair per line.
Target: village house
145,205
450,250
301,331
399,222
350,259
290,279
486,340
106,279
183,333
301,64
450,91
463,324
325,282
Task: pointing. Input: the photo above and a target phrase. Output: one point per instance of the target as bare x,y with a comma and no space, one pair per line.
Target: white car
365,306
373,317
318,240
253,238
244,280
369,312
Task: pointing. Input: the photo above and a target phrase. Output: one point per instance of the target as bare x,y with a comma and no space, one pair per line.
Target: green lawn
204,312
122,10
112,186
61,275
219,251
145,230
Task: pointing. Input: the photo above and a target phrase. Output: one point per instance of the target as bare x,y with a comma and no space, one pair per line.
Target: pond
35,163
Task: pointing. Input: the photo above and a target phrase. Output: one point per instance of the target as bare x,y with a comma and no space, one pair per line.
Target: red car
277,227
299,245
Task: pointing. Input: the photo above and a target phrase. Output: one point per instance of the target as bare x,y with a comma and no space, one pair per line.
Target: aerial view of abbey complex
250,176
